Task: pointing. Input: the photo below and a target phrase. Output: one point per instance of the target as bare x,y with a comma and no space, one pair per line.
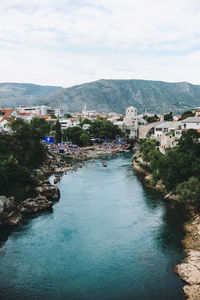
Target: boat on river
104,164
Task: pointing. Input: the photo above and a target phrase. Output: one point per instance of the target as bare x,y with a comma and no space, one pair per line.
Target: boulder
189,270
30,205
51,192
6,204
13,218
172,196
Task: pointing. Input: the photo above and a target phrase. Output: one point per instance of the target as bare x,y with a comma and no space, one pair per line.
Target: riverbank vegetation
20,153
100,128
178,168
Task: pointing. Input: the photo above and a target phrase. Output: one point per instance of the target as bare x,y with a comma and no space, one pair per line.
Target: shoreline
189,269
45,194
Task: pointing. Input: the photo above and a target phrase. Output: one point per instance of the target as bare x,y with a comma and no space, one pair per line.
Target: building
130,122
41,110
166,127
6,115
191,123
131,115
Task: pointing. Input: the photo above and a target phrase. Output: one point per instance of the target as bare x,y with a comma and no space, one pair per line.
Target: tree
73,134
58,134
189,191
189,141
85,139
187,114
151,119
85,121
168,117
67,116
20,153
102,128
40,126
146,147
27,149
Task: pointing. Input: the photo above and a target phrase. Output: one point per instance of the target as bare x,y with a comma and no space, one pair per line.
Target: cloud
68,42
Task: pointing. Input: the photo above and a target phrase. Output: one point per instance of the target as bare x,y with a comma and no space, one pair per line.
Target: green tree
187,114
168,117
67,116
20,153
102,128
189,191
151,119
58,134
73,134
84,139
85,121
146,147
40,126
189,141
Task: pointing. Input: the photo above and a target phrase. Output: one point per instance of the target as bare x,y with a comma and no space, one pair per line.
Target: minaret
84,111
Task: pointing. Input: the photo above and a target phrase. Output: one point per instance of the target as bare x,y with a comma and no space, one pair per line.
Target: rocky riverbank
143,168
12,210
189,270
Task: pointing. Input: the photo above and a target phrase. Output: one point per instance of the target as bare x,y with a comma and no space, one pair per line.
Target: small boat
104,165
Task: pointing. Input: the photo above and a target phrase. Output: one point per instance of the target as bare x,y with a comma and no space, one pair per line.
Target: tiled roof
191,120
24,114
5,112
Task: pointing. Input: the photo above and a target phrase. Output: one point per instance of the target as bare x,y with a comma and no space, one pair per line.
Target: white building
131,116
167,127
41,110
191,123
4,126
66,123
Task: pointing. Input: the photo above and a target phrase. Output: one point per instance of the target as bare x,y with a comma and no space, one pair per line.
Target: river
108,237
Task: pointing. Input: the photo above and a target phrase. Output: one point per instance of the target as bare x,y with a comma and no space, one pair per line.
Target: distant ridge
117,95
106,95
12,94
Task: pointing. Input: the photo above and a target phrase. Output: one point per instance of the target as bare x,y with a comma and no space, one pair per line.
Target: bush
189,191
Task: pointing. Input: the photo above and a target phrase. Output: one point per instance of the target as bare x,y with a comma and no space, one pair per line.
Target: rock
160,186
138,168
13,218
30,205
51,192
192,291
148,177
189,270
57,179
6,204
171,196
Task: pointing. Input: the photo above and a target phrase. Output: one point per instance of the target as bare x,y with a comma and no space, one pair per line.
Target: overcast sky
67,42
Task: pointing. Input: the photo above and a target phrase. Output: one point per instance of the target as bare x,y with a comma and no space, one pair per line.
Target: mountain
12,94
117,95
105,95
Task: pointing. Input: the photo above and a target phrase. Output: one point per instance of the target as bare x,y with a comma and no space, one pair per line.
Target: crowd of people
82,153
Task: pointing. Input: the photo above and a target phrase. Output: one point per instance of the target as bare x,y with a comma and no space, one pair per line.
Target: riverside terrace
82,153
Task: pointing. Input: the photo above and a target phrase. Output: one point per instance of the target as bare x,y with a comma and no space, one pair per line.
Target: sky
69,42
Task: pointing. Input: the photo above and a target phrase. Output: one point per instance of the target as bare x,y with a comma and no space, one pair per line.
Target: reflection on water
109,237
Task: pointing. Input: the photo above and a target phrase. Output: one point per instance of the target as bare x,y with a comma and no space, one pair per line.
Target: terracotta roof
24,114
5,119
51,120
6,111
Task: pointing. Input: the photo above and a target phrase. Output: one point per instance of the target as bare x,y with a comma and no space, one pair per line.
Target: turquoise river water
108,237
